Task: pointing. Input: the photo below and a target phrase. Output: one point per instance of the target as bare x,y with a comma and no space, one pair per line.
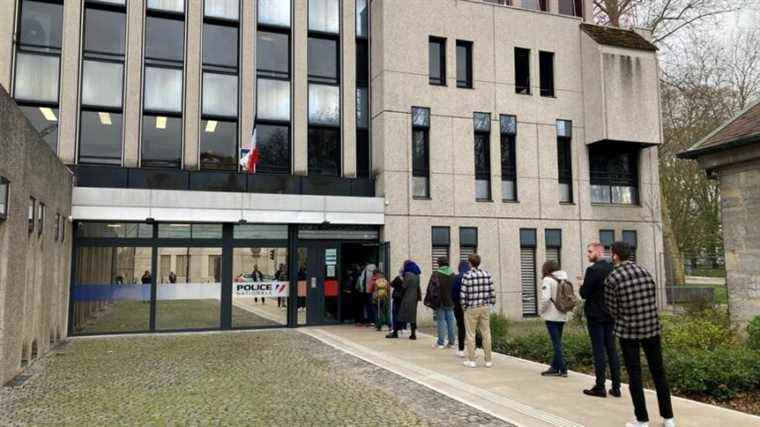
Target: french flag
249,161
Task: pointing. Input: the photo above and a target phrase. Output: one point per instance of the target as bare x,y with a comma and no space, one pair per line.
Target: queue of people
620,302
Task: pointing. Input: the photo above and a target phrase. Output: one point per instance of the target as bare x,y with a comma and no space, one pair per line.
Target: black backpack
433,293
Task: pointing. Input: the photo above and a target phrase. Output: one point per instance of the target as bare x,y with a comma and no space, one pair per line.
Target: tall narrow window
219,112
441,239
630,237
30,214
482,125
464,64
38,57
546,67
4,197
437,61
468,242
324,88
522,71
420,154
272,88
607,238
565,160
508,128
40,218
553,240
100,126
362,90
163,84
528,280
614,170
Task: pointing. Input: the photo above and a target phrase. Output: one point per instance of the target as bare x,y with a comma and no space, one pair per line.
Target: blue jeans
446,323
555,333
603,343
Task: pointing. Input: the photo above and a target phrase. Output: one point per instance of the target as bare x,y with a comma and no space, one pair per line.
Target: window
362,91
38,57
630,237
441,242
614,173
508,129
222,9
362,19
553,240
40,218
420,152
163,86
219,111
324,148
571,7
528,279
167,5
468,242
30,214
5,187
57,226
272,88
464,64
437,61
522,71
546,67
565,160
532,4
482,126
607,238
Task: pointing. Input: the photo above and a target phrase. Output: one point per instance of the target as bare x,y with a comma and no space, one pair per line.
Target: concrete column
69,89
300,124
192,113
7,27
553,6
247,74
348,83
588,10
133,83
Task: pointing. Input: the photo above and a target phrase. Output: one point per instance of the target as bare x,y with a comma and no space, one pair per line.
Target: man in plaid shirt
630,296
478,296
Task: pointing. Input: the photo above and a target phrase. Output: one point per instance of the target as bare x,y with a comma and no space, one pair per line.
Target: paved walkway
512,389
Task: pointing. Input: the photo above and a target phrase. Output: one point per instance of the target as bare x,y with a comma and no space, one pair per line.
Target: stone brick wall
34,267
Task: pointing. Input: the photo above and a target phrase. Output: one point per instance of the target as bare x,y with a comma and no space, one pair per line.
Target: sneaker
460,353
392,335
596,392
615,392
489,364
563,374
469,364
439,347
413,337
670,422
449,346
636,423
551,372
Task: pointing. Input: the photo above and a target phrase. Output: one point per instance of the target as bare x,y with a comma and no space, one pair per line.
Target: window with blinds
528,272
468,242
441,240
607,238
553,239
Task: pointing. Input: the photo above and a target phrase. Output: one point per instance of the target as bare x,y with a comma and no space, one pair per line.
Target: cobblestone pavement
256,378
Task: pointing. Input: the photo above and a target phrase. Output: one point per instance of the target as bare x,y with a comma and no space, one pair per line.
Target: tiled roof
742,129
617,37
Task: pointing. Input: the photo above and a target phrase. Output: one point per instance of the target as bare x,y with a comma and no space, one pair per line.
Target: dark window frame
270,74
6,183
316,35
522,71
233,166
474,246
422,172
565,157
509,163
287,170
339,151
610,177
546,76
468,46
483,173
31,208
440,79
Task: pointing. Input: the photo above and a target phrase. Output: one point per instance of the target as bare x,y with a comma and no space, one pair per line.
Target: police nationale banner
261,289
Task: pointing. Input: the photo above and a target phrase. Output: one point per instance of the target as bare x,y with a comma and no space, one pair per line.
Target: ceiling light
160,122
114,225
49,114
105,118
211,126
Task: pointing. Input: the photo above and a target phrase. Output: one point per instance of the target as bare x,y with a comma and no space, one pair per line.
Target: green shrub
753,334
720,373
703,330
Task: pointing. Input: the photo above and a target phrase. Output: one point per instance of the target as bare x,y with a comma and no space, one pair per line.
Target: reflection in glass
272,53
36,77
102,84
220,94
104,31
420,117
530,4
324,151
273,99
508,190
261,231
324,16
273,142
45,121
114,230
362,107
164,38
111,290
189,290
420,186
161,141
218,145
220,45
600,194
261,287
226,9
362,19
41,24
167,5
323,60
274,12
100,137
163,89
324,104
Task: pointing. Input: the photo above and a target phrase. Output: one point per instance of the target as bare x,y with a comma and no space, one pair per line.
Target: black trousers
632,358
461,331
603,346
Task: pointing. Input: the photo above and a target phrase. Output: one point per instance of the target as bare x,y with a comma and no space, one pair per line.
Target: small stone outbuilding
731,154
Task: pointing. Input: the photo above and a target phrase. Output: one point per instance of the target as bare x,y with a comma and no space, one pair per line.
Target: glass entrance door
318,296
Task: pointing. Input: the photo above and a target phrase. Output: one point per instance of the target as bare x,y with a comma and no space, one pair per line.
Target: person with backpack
599,322
554,310
438,297
456,297
380,298
478,299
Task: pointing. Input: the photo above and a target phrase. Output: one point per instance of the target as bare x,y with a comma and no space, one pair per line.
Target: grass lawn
132,316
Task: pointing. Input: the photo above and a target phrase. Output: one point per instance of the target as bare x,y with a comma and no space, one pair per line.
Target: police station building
385,130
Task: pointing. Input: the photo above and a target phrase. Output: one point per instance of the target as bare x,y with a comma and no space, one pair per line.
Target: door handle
313,282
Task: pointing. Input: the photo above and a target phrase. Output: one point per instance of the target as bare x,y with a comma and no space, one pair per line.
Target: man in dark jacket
444,277
600,324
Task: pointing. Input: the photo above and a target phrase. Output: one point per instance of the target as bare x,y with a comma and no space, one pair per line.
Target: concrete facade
34,265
